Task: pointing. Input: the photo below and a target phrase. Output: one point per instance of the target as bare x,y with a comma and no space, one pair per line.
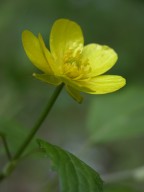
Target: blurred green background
107,131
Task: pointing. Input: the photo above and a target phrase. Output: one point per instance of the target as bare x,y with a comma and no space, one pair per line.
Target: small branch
8,169
6,146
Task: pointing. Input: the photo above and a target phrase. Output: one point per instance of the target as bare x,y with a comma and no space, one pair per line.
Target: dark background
105,131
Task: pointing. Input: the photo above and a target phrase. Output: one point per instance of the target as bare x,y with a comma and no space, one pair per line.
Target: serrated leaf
75,175
117,116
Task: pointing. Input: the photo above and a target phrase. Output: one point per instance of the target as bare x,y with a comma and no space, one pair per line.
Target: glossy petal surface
99,57
66,39
34,51
102,84
79,67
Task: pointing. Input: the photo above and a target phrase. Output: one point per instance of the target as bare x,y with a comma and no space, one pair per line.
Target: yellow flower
79,67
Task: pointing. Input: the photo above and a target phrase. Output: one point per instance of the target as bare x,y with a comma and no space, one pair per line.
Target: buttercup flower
79,67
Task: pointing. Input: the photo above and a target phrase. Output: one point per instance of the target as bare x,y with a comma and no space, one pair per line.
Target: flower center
74,66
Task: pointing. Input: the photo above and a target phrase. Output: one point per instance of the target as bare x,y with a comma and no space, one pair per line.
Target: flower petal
74,94
104,84
98,85
47,54
76,84
65,36
34,51
51,79
100,58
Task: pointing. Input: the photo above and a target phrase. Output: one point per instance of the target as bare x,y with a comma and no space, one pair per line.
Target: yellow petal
74,94
33,49
65,36
105,84
51,79
100,58
98,85
47,54
76,84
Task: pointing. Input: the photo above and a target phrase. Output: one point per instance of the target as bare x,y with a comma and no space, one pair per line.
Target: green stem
12,164
38,123
6,146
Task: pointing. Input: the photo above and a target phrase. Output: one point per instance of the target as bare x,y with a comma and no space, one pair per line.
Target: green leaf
117,116
75,175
